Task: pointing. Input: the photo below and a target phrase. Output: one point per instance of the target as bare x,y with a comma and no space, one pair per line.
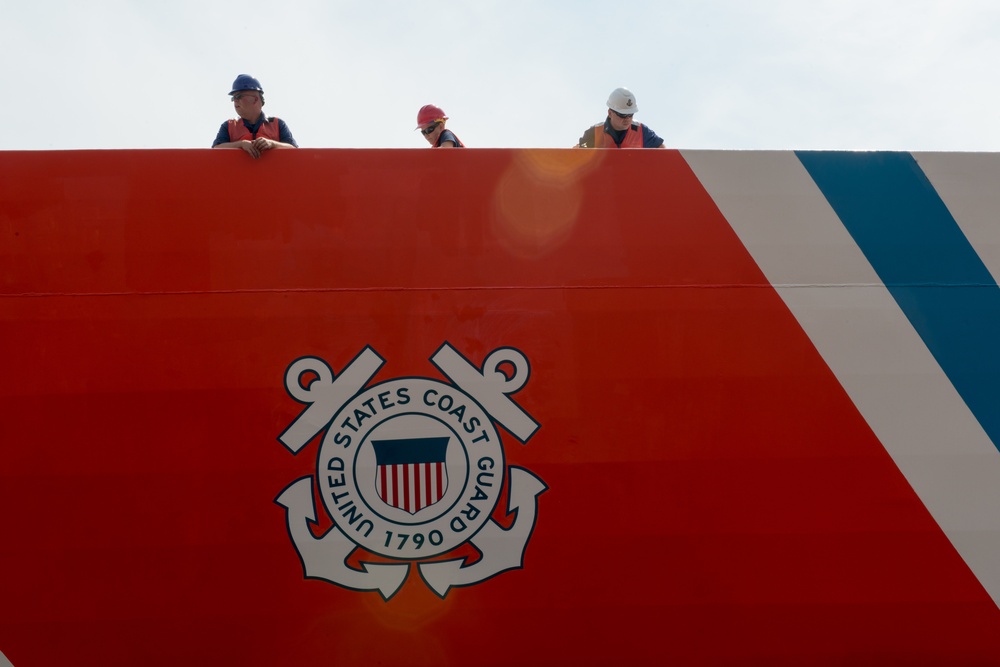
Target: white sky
733,74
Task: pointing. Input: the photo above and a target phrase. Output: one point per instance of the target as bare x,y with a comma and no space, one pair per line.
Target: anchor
326,557
502,549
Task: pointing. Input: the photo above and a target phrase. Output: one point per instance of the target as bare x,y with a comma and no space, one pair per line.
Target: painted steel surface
742,407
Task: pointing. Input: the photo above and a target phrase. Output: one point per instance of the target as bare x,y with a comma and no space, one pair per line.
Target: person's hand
251,147
262,144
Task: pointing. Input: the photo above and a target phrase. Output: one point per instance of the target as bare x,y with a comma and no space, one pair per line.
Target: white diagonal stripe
804,250
967,184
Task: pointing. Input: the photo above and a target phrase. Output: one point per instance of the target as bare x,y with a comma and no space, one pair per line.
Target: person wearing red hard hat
430,122
252,131
618,130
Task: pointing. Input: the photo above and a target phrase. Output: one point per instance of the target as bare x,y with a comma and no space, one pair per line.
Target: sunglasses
248,98
622,115
430,128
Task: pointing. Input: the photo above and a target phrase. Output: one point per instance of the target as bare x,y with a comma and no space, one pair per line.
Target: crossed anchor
501,549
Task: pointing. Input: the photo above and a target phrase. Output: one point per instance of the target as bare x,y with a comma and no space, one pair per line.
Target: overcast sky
731,74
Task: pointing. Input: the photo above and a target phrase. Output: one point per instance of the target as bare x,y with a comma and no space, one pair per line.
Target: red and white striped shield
411,472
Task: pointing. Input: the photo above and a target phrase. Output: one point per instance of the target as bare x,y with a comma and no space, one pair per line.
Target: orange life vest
268,129
633,137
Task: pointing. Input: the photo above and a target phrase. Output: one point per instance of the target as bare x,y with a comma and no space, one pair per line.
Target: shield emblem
410,473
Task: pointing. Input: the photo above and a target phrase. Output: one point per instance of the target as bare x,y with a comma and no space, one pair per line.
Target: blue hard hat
246,82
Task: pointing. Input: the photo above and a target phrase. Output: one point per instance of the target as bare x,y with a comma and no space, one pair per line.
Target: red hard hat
428,114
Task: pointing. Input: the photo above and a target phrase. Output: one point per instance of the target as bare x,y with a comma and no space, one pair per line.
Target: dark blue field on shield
410,450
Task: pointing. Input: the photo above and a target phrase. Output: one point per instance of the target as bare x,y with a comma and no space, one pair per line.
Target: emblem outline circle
416,405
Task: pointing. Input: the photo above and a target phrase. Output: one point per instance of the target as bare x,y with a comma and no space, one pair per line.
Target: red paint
714,497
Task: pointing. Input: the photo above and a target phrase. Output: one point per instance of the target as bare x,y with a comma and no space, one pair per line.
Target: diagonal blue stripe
928,265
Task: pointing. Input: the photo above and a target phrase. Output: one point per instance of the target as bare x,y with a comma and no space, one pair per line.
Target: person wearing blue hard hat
252,131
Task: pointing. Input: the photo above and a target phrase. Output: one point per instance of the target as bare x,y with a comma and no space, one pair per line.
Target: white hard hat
623,101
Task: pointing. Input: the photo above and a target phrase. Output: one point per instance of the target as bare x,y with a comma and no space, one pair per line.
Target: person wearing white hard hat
430,122
618,130
252,131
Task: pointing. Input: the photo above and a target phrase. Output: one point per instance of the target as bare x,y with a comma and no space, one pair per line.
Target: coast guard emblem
410,469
